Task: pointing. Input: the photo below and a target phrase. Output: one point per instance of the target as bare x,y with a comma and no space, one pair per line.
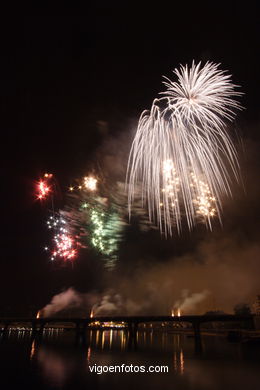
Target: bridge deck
135,319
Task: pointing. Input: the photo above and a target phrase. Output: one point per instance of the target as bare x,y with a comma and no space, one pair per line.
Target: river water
58,362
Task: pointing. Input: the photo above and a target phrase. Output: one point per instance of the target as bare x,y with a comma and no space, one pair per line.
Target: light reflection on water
57,362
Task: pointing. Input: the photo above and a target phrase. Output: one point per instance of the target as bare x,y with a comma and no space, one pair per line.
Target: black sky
62,74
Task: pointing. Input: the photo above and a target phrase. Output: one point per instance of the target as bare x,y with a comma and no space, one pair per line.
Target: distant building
212,324
256,306
256,310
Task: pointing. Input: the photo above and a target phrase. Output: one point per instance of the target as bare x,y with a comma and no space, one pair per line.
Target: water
57,362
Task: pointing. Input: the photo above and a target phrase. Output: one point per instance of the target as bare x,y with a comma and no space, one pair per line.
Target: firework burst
90,183
103,228
43,187
181,153
64,243
98,218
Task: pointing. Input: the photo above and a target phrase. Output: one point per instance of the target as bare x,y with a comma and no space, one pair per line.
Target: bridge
132,322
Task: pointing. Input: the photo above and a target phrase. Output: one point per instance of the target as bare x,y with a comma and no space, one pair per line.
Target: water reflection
33,350
57,362
89,355
122,340
97,337
178,362
103,340
55,368
110,338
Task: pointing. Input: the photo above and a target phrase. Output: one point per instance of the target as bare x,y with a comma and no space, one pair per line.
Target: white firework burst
182,142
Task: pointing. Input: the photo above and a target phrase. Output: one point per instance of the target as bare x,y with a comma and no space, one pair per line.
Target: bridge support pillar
197,337
132,333
40,331
6,326
37,330
80,332
5,330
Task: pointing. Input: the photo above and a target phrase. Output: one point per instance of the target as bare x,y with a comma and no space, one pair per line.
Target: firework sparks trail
43,187
105,229
64,242
98,221
181,153
206,203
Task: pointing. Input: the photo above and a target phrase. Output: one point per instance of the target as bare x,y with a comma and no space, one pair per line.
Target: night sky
61,76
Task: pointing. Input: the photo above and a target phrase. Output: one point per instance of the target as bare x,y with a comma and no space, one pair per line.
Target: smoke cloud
217,275
65,300
188,302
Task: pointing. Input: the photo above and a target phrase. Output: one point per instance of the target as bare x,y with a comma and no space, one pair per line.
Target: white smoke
107,305
188,301
113,304
110,303
65,300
